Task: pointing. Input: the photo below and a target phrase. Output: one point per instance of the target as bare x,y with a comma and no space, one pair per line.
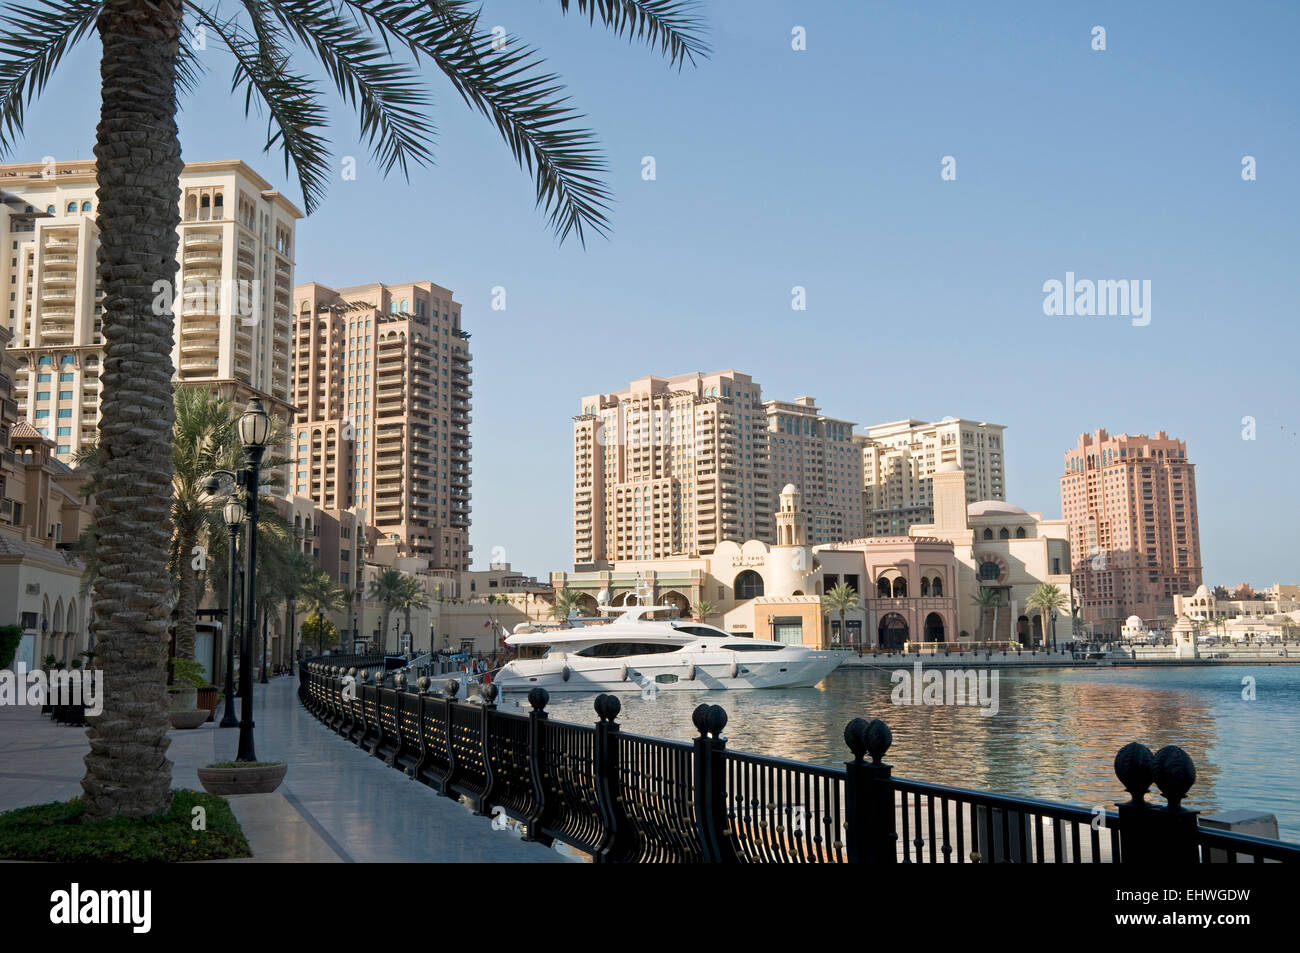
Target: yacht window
703,631
620,649
752,647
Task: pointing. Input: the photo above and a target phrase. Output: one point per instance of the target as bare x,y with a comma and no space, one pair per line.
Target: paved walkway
342,804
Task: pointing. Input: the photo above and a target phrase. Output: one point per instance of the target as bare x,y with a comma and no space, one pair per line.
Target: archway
586,604
748,585
1038,630
934,627
677,600
1022,630
892,632
900,588
936,588
882,587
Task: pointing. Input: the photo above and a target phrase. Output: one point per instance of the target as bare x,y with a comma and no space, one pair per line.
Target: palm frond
671,25
34,38
526,104
291,99
388,96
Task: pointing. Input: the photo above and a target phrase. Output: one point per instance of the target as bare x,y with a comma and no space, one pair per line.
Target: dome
949,467
994,508
790,489
1132,622
1202,590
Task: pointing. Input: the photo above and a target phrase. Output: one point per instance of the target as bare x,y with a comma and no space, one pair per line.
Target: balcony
198,257
61,243
200,239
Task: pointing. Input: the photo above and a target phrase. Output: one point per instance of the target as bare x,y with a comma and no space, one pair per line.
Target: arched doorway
1038,630
677,600
934,627
586,604
892,632
1022,630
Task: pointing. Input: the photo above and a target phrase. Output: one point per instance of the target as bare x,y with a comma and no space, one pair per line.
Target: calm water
1055,734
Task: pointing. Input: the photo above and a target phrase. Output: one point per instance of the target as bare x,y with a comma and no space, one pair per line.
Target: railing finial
488,693
422,683
855,736
451,687
608,707
1133,766
1174,774
399,681
538,698
709,719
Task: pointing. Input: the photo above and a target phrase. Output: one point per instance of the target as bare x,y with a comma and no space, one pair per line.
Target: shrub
10,636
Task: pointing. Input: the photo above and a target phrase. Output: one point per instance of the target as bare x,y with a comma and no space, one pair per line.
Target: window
65,412
989,570
85,206
988,534
42,378
72,207
65,395
748,585
42,414
64,448
65,431
64,378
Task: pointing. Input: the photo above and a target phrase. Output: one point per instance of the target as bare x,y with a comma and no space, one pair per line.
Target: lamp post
1053,630
234,514
254,426
264,659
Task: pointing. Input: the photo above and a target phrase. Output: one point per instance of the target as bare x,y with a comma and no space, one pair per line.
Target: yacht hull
714,671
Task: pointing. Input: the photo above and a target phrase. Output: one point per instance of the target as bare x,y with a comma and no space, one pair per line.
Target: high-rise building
899,460
670,465
231,297
382,384
1130,501
818,455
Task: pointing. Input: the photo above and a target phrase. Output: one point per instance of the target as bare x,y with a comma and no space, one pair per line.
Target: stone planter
182,699
226,781
189,719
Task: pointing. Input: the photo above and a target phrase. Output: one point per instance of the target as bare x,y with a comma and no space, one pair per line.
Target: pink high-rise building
1130,501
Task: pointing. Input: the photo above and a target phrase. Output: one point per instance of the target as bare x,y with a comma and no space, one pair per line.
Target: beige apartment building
899,460
232,297
382,384
670,465
1130,501
818,455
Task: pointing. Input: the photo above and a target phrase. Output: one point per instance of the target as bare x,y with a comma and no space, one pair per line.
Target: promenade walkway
342,805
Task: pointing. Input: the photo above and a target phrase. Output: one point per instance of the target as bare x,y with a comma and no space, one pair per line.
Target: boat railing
624,797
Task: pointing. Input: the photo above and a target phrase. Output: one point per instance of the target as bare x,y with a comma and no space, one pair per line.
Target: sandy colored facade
899,460
232,296
999,546
382,384
1130,501
818,455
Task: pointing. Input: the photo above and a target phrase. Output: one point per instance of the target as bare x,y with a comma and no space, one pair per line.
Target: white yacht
633,651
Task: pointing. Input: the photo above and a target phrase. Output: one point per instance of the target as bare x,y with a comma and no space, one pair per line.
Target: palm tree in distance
986,599
412,597
702,609
388,589
566,602
841,598
1045,599
147,58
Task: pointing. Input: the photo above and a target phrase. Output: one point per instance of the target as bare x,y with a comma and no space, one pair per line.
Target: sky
821,168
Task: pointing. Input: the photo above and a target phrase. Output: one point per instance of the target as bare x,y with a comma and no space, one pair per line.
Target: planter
262,779
182,699
189,719
207,699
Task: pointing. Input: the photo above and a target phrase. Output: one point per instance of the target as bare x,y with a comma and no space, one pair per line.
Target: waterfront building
1000,547
231,295
818,455
757,588
899,460
382,383
670,466
1130,501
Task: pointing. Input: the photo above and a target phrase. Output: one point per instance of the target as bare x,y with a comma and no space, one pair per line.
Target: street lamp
233,512
1053,630
254,427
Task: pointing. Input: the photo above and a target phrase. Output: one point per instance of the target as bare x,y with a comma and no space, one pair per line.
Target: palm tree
566,602
841,598
702,609
1047,598
143,65
389,590
412,597
319,595
986,599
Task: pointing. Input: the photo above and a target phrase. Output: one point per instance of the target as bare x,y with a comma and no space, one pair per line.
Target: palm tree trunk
383,632
138,211
186,599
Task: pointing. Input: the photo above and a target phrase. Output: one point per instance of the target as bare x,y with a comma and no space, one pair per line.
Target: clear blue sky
821,168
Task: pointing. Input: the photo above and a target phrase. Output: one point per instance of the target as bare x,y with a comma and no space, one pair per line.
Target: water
1055,735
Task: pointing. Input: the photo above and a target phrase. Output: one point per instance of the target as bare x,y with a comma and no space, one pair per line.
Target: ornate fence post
872,836
1150,834
450,688
716,835
422,686
543,802
488,693
618,844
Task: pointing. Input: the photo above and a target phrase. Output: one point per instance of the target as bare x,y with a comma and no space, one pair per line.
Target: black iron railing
623,797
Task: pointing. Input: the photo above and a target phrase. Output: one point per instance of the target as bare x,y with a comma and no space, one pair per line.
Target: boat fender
565,673
624,678
690,673
735,669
